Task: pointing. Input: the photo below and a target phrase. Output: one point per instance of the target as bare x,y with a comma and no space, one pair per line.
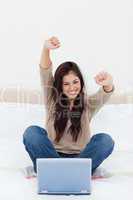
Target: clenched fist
104,79
52,43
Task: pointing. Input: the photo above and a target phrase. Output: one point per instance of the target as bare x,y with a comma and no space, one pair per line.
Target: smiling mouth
73,93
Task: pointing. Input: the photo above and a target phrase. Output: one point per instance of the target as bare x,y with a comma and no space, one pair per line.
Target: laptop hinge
83,191
44,191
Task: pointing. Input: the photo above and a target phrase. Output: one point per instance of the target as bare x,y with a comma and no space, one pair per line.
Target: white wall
96,34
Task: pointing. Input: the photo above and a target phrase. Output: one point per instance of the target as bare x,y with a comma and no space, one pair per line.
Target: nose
71,87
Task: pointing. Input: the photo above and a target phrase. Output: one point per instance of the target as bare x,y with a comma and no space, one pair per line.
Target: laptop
65,176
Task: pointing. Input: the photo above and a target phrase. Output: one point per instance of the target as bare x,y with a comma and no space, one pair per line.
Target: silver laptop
64,176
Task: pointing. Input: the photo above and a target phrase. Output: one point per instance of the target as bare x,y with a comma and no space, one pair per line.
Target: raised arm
97,100
46,66
50,44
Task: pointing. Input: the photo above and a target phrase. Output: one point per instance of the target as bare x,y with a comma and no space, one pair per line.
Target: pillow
116,120
15,118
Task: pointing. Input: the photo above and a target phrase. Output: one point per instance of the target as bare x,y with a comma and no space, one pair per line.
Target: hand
104,79
52,43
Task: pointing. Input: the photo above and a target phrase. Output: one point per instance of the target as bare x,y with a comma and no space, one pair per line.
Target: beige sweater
92,105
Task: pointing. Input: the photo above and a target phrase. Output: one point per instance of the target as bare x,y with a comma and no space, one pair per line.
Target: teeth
72,93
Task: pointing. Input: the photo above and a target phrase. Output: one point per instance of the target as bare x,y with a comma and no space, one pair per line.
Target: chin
72,97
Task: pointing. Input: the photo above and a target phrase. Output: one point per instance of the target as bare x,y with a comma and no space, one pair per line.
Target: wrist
46,49
108,88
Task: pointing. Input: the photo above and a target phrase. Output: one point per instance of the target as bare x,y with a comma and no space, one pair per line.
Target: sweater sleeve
97,100
46,77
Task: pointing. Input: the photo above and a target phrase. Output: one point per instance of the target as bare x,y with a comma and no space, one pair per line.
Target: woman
69,112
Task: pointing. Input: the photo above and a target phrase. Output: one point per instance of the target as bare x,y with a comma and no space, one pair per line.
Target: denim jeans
38,145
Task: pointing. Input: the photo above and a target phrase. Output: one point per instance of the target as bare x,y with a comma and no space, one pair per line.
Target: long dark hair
62,112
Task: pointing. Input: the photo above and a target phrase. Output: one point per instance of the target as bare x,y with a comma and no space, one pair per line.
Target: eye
66,84
75,82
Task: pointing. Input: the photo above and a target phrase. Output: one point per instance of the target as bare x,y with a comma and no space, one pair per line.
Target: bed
16,114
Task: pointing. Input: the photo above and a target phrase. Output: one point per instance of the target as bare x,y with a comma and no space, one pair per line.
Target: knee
105,141
32,135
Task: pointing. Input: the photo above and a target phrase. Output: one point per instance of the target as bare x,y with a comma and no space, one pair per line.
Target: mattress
113,119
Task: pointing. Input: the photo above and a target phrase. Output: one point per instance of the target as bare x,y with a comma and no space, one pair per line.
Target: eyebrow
72,81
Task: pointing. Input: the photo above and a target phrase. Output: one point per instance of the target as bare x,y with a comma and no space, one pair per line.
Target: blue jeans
38,145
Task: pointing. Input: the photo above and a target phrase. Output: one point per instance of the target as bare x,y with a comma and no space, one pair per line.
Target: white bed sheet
14,186
102,190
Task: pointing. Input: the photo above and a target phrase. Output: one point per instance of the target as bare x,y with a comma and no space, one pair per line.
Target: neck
71,103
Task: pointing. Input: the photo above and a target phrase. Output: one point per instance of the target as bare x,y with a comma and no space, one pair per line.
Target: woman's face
71,85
